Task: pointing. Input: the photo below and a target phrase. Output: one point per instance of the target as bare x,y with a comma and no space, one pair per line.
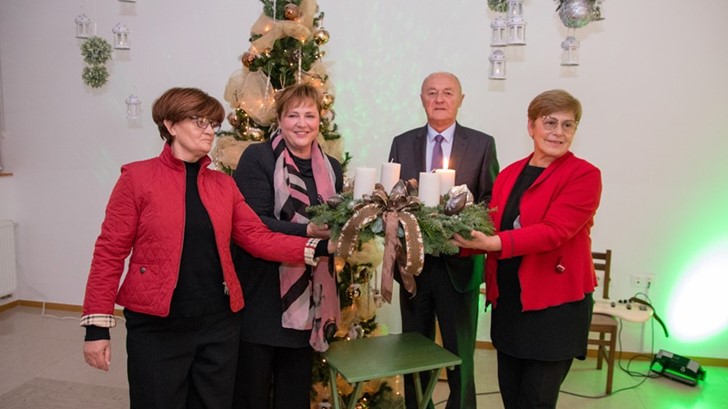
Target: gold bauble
242,115
247,59
291,11
254,134
233,119
354,291
328,100
321,36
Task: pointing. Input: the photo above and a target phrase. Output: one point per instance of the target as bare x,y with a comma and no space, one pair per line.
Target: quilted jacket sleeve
256,238
112,247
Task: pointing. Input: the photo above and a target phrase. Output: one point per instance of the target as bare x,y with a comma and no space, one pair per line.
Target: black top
552,334
200,288
259,278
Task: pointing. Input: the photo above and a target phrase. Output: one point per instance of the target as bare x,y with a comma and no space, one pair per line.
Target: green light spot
697,309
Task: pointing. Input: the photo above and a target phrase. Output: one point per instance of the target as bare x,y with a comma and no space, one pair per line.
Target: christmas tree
285,49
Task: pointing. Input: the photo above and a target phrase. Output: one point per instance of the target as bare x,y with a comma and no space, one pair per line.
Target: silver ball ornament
576,13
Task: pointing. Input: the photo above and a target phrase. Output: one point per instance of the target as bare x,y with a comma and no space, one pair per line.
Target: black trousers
457,315
530,384
264,368
182,363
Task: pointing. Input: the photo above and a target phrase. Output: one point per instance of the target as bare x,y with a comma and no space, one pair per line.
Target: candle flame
445,162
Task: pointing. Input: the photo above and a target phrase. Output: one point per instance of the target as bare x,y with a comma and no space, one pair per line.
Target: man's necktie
437,153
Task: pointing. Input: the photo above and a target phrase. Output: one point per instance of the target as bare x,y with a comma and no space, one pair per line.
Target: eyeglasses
568,126
204,122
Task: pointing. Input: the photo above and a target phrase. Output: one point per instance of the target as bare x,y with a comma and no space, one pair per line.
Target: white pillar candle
447,179
364,179
429,191
390,175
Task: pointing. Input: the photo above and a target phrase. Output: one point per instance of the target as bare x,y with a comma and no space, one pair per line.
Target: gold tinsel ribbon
271,30
395,210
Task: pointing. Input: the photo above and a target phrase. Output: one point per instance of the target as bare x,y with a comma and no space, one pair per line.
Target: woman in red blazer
539,273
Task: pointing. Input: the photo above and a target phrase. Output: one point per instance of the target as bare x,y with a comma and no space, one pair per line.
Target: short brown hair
555,100
295,96
178,104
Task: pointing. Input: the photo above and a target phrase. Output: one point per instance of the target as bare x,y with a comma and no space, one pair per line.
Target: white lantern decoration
121,37
570,53
83,26
133,107
516,24
515,8
498,37
497,65
516,30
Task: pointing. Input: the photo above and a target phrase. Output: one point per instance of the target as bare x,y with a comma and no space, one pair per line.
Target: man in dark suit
448,287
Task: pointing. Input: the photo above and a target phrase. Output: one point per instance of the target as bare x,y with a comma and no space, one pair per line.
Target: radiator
8,273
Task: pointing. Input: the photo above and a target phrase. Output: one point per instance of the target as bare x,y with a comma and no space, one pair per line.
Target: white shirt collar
448,134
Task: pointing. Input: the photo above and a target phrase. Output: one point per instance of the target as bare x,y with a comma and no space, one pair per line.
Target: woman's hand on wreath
318,232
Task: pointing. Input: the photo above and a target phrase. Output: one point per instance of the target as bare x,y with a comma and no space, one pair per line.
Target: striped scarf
308,294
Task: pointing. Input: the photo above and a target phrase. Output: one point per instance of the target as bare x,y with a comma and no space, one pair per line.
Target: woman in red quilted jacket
175,219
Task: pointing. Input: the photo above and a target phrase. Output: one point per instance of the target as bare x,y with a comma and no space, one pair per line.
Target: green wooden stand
381,357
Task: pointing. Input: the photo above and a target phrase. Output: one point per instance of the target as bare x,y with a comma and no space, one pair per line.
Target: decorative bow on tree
388,213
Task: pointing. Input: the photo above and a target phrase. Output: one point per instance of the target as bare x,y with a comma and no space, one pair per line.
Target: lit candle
364,181
390,175
447,178
429,191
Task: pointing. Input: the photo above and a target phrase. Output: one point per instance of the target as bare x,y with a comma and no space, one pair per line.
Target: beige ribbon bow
395,210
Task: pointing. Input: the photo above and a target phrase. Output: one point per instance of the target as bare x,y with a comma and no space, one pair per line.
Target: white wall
651,83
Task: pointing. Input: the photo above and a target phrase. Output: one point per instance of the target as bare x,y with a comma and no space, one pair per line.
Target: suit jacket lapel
421,150
459,149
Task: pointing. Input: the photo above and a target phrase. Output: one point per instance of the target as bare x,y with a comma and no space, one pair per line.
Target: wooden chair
604,325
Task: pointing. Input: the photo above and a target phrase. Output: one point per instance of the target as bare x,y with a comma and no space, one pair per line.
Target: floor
46,345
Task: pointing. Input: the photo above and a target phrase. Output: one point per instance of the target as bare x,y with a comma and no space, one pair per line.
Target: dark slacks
178,363
264,368
530,384
457,315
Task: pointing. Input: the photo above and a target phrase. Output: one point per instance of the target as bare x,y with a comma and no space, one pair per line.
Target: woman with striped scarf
291,309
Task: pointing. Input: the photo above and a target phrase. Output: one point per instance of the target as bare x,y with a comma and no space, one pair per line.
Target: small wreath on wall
96,53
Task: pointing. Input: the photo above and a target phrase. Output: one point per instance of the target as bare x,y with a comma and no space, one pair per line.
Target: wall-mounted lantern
570,53
497,69
133,107
121,37
499,35
83,26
